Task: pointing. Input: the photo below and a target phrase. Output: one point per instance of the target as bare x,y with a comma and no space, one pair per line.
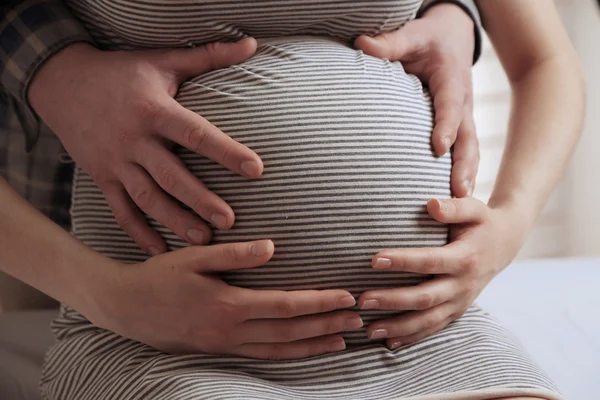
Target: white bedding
551,305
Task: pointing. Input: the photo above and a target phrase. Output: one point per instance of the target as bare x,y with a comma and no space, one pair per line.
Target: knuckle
432,262
286,333
430,322
172,221
286,307
470,286
424,301
195,137
143,196
167,178
146,109
470,263
233,252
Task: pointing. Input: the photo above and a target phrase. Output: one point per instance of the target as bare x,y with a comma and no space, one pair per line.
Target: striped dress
345,140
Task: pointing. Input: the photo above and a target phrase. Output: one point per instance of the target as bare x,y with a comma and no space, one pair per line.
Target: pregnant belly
345,140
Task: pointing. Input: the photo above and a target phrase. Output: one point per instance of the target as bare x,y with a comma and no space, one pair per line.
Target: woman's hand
115,114
176,302
483,241
438,48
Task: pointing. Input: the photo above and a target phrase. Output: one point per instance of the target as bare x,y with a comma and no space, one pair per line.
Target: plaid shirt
32,31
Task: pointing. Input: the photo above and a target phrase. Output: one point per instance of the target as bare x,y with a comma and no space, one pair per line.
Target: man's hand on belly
438,48
116,116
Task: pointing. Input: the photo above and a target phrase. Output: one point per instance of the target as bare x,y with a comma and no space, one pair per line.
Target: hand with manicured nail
118,119
438,48
177,303
483,241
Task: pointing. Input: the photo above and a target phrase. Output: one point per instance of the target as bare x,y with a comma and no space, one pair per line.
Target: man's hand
115,114
177,303
484,241
438,48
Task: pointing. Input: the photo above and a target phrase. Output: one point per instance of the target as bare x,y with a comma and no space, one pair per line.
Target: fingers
458,211
419,297
396,342
195,133
154,202
131,220
230,256
411,323
465,158
293,329
400,45
448,99
454,258
188,63
259,304
294,350
174,178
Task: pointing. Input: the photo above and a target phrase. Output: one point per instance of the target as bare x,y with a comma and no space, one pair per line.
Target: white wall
582,234
569,225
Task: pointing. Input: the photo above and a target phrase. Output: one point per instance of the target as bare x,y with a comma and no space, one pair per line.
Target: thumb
224,257
187,63
399,45
458,211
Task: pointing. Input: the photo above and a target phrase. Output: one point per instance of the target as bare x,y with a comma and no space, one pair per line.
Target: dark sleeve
32,31
470,8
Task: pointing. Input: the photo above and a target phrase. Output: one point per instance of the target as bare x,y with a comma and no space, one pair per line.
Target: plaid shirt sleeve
470,8
32,31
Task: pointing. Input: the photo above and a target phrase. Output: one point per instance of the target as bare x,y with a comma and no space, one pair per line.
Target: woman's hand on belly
177,303
118,120
438,48
484,241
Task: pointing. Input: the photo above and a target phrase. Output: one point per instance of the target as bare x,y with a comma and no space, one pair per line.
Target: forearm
546,119
43,255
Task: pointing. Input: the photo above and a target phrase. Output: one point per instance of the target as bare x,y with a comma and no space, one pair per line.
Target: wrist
57,71
95,283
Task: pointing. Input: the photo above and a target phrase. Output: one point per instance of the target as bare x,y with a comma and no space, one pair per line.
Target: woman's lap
473,355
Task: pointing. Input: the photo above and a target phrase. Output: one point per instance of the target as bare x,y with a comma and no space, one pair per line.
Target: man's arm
470,8
31,32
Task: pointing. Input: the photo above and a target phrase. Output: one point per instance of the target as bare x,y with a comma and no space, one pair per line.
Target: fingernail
370,305
471,190
467,185
378,334
195,235
218,220
395,345
447,142
354,323
382,263
250,168
260,248
337,345
345,302
153,250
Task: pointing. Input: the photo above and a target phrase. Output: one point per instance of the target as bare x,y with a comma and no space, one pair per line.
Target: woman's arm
546,119
42,254
548,101
174,301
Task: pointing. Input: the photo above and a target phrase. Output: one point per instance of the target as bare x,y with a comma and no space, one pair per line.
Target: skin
174,302
545,75
129,155
547,113
179,289
438,48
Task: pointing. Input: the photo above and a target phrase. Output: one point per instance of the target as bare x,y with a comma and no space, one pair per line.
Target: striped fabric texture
345,139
